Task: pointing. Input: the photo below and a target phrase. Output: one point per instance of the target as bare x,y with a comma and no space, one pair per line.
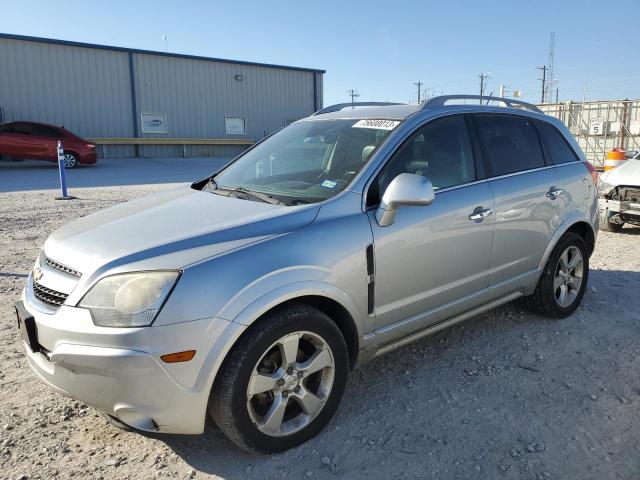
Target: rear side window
510,142
44,131
24,128
556,145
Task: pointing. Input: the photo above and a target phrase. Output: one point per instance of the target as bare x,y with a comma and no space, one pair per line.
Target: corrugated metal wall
89,90
86,90
196,95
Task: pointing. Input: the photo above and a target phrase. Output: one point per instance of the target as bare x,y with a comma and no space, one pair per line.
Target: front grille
48,296
61,267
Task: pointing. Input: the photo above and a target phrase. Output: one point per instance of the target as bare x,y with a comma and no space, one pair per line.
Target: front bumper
119,370
621,209
88,158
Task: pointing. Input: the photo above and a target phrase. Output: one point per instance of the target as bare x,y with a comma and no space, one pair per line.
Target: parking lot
504,395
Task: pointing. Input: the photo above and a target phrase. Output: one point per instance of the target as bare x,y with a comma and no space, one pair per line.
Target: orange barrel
615,158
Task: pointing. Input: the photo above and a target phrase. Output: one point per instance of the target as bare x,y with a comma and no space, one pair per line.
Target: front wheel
606,224
564,279
282,382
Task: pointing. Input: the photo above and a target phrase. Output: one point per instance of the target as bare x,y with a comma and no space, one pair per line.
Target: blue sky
379,48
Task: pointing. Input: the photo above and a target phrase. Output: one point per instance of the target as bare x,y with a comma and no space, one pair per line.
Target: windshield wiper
266,198
263,197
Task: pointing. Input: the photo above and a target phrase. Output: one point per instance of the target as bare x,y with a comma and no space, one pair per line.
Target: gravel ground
505,395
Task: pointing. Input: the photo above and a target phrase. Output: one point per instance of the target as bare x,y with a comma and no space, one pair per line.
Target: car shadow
628,229
41,175
457,396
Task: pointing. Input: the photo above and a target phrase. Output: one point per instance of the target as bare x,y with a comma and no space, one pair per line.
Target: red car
40,141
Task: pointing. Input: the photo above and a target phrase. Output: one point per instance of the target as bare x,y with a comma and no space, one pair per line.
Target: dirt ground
506,395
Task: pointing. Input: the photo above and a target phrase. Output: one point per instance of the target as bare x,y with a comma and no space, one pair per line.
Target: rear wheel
607,225
282,382
70,160
564,279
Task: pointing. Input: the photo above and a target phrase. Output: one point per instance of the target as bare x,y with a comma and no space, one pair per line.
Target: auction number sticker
377,124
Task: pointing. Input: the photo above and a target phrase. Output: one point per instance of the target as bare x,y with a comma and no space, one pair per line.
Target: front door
433,261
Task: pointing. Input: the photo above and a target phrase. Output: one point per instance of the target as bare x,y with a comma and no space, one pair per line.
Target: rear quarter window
557,146
510,142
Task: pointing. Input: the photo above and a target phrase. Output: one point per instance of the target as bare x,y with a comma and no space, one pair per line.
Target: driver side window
440,150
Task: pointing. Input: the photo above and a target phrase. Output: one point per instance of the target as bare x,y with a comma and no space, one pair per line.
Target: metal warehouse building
137,102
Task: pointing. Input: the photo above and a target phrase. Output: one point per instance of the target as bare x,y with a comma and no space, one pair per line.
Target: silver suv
251,295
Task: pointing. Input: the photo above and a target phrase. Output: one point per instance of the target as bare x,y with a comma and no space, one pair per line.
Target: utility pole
483,82
418,84
353,94
543,79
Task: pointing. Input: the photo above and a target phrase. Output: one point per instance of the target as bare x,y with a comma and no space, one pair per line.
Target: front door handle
554,192
479,214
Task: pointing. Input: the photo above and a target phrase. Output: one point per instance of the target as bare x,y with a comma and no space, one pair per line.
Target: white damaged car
619,196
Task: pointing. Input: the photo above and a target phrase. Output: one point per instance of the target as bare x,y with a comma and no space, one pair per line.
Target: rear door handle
554,192
479,214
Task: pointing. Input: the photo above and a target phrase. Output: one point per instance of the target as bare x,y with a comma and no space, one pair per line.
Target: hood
177,227
626,174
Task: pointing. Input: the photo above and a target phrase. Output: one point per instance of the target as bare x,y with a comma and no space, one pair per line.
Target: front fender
246,307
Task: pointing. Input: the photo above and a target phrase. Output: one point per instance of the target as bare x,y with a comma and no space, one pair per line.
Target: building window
235,125
154,122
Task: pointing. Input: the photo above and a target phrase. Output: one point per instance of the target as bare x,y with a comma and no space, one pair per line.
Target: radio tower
550,78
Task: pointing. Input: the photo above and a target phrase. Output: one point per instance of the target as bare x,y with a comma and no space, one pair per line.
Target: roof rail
339,106
439,102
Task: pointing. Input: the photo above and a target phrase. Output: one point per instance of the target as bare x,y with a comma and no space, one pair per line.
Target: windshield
306,162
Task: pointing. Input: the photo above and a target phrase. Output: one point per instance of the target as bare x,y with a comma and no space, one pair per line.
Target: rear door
15,139
529,199
433,261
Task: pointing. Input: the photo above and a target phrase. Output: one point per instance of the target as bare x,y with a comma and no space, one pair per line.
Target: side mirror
405,190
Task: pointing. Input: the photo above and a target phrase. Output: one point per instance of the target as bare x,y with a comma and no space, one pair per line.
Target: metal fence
600,126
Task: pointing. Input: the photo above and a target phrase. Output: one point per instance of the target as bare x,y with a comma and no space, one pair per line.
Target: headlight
129,299
604,188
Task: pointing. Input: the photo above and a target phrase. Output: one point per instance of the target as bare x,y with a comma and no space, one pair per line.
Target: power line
353,94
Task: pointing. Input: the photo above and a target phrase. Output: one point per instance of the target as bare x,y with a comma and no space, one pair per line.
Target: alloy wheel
568,277
290,384
70,160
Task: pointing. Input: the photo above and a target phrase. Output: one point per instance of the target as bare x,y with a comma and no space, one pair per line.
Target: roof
402,111
68,43
391,112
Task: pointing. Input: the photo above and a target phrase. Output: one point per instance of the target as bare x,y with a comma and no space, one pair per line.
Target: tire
71,160
606,225
242,415
544,299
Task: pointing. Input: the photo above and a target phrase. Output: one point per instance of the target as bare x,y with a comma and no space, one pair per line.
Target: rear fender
571,220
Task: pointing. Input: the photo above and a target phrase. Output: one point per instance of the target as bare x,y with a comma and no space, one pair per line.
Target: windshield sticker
377,124
329,183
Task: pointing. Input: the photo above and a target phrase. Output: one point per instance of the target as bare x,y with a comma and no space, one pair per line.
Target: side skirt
366,356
